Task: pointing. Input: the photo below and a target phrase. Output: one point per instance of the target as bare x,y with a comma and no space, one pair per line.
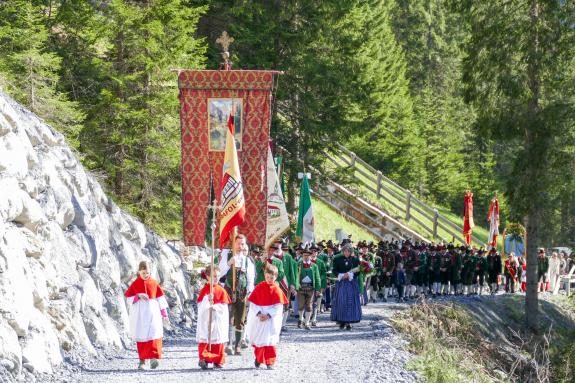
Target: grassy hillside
359,181
328,220
481,340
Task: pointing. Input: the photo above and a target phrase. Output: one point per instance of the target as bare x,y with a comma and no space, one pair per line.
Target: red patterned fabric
198,163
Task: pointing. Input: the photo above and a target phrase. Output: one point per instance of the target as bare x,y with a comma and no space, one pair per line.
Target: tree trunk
535,167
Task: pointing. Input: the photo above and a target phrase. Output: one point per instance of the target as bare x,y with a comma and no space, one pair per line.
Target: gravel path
371,352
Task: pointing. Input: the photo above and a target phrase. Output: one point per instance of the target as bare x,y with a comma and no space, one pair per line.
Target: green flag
305,214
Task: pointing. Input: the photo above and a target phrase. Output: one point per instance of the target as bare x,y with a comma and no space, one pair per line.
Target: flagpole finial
225,40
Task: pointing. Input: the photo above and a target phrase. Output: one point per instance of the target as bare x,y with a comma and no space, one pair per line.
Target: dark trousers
327,297
238,314
400,290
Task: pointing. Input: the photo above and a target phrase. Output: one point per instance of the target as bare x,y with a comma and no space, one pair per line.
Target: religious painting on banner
206,96
219,109
493,219
278,221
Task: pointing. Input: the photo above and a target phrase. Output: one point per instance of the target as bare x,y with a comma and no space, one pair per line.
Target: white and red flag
233,206
493,219
468,224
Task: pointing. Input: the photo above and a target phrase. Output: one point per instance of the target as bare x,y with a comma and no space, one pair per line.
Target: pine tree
130,94
517,75
30,70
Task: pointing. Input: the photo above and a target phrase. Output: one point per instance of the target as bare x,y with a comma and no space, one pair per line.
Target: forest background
441,96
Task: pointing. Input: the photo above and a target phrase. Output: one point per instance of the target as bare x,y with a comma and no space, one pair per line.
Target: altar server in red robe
211,348
148,309
265,318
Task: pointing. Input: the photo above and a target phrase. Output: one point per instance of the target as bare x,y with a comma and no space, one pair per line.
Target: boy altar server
265,318
211,348
148,308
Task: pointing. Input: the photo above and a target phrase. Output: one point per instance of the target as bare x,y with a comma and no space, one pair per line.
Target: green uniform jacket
423,263
322,272
290,270
315,275
260,267
481,263
456,267
542,264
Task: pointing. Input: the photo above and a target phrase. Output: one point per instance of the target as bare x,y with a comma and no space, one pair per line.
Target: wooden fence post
408,206
353,159
379,177
435,218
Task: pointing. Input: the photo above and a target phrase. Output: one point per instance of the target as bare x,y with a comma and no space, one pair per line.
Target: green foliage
30,70
132,129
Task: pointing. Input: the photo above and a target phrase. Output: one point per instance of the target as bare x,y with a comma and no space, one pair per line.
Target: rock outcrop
67,252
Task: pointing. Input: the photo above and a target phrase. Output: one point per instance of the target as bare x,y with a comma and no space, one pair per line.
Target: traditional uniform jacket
436,265
387,268
468,269
456,265
322,272
422,268
493,267
308,275
261,266
542,264
290,269
481,265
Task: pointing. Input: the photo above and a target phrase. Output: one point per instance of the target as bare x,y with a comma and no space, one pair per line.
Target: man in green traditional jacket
322,269
542,268
456,266
480,270
309,282
266,258
289,268
327,259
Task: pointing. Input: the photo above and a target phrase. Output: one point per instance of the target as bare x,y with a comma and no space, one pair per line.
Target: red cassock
211,349
146,325
267,299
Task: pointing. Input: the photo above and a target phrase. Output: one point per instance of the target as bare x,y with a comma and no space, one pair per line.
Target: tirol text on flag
232,194
493,219
468,223
305,222
277,220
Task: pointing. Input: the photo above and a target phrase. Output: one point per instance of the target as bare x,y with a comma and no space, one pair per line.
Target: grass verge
481,340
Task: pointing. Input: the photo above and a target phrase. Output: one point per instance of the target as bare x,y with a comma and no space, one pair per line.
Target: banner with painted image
277,217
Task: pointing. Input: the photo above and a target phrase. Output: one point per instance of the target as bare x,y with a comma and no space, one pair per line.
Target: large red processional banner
207,98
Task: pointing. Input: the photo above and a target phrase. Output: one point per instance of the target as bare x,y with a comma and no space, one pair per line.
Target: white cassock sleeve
266,333
224,268
220,322
251,276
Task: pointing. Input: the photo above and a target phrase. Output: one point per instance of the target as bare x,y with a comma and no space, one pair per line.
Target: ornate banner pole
214,206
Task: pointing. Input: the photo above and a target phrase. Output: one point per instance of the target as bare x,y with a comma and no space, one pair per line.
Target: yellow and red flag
232,192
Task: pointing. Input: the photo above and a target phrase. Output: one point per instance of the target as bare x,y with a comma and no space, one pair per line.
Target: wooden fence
402,200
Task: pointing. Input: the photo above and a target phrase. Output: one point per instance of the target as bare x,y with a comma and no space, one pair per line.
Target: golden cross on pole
225,40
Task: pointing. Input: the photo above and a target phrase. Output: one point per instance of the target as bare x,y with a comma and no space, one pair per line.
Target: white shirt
241,262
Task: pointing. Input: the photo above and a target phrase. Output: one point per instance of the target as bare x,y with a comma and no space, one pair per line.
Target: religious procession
341,191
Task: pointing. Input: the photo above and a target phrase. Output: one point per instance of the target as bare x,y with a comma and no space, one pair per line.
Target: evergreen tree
516,74
123,79
30,70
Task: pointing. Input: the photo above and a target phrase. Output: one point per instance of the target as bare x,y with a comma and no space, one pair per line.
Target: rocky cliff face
67,252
